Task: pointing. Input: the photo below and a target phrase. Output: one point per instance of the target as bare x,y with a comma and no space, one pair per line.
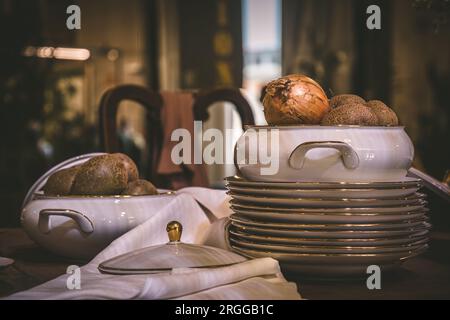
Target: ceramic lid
174,254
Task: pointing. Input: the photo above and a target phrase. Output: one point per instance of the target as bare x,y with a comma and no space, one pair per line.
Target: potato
350,114
130,166
342,99
60,183
385,115
139,188
101,175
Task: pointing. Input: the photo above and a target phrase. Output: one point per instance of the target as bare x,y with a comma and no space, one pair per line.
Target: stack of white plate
329,229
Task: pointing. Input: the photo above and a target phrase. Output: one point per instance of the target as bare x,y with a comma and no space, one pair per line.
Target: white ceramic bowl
79,227
324,153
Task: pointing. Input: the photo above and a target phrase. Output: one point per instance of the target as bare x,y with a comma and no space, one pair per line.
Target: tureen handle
349,156
83,222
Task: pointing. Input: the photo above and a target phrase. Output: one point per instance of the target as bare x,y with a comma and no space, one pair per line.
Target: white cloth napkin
203,214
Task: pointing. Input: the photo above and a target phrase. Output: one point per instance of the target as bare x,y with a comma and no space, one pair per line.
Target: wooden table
424,277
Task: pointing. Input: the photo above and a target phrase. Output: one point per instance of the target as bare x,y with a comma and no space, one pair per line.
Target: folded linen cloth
252,279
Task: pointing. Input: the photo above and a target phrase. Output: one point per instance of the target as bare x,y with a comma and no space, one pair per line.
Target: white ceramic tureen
324,153
81,226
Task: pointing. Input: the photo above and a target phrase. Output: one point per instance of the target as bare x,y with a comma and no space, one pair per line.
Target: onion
294,99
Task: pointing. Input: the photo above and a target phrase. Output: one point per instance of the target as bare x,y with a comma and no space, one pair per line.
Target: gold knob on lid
174,230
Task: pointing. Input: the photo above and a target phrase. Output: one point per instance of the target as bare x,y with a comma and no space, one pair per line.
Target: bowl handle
83,222
236,166
349,156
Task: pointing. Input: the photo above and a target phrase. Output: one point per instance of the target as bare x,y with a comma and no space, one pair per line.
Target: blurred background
52,78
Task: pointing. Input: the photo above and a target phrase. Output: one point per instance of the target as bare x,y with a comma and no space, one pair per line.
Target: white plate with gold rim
403,224
328,203
325,193
279,248
320,217
406,182
329,242
333,259
402,209
347,234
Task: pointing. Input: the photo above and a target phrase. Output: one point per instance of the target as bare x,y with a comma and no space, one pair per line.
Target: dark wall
373,62
21,102
210,43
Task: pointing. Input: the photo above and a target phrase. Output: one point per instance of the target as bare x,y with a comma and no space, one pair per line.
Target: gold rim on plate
329,185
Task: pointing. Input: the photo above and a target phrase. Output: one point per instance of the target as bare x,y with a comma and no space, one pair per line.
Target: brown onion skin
294,99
